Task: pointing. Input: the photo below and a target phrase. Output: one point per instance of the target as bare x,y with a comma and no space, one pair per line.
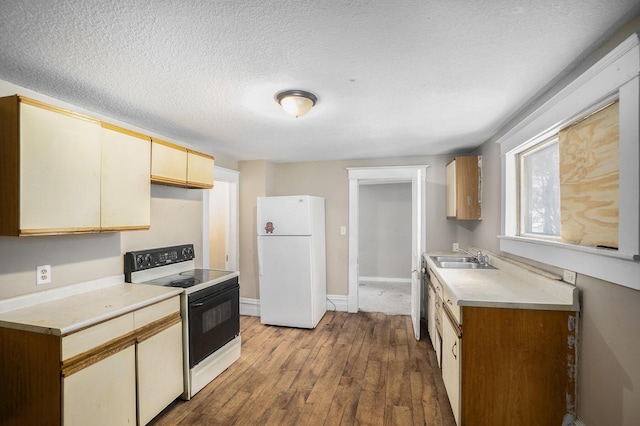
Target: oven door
214,319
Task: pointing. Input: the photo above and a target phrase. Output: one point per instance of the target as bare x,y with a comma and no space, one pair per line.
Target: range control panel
153,258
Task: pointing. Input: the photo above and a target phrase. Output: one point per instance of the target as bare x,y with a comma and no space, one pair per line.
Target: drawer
99,334
436,283
156,311
449,301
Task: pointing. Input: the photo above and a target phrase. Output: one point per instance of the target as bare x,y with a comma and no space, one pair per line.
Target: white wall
385,231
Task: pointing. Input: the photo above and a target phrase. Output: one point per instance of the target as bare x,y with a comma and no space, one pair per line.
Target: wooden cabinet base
518,366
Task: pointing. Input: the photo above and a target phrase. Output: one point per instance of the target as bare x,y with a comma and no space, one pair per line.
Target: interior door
418,219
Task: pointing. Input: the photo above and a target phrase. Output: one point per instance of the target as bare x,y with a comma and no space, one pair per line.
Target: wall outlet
43,274
569,276
455,247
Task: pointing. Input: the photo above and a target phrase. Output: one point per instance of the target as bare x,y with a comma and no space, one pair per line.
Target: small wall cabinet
178,166
464,188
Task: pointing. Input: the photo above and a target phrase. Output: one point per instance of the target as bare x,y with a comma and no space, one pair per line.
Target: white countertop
83,308
508,286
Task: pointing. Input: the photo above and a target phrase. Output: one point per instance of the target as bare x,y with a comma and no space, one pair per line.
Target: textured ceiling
399,78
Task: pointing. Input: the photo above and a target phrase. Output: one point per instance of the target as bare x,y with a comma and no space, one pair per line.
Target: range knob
185,252
139,260
147,260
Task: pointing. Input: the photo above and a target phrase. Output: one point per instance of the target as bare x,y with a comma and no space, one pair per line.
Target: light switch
343,230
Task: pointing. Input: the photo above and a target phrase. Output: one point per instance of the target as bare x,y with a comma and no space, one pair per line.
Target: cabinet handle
454,350
449,302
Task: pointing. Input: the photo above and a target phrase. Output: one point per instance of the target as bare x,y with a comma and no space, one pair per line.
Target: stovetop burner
190,278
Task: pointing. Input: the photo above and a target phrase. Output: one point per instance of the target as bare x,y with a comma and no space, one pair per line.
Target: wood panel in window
589,179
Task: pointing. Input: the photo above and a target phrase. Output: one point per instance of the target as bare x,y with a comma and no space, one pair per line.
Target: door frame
416,175
232,234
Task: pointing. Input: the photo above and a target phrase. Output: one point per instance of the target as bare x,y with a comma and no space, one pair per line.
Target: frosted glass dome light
296,102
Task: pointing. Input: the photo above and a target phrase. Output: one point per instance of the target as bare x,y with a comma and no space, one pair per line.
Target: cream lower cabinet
160,374
451,365
103,393
118,372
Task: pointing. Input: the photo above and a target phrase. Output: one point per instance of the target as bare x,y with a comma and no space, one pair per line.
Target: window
540,190
587,218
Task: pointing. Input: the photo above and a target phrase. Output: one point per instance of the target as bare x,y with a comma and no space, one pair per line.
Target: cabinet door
59,171
103,393
168,163
431,315
160,373
451,189
126,180
451,365
199,170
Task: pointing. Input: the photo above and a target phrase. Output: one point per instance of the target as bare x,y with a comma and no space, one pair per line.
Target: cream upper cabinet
199,170
178,166
50,174
126,186
464,188
168,163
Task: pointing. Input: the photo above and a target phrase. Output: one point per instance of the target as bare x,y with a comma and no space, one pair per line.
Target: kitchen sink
452,259
458,262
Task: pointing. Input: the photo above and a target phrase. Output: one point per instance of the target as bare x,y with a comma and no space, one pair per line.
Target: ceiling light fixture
296,102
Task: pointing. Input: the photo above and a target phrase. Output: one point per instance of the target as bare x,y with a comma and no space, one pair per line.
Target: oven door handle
195,305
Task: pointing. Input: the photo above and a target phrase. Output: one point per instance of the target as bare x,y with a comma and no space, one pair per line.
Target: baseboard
384,279
336,302
251,307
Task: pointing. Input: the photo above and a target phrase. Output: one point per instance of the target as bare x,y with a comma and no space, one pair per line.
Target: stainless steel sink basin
456,262
452,259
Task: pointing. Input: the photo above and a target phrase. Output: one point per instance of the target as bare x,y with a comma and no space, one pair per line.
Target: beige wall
329,179
80,258
256,180
218,219
176,218
609,330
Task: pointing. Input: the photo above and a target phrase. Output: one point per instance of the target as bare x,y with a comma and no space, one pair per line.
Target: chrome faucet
479,257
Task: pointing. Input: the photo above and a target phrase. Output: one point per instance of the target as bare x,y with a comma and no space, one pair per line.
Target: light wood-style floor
352,369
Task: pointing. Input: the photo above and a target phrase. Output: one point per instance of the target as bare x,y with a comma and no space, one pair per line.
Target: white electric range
210,309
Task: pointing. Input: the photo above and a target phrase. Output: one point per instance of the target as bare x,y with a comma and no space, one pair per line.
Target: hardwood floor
352,369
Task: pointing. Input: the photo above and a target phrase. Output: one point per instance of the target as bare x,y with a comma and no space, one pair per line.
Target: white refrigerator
291,260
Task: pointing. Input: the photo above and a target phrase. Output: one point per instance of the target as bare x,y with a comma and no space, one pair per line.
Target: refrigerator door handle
259,259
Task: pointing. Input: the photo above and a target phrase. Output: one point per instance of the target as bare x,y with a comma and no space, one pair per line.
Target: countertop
508,286
82,308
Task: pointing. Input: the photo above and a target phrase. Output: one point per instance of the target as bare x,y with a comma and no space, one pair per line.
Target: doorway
384,282
416,176
220,224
